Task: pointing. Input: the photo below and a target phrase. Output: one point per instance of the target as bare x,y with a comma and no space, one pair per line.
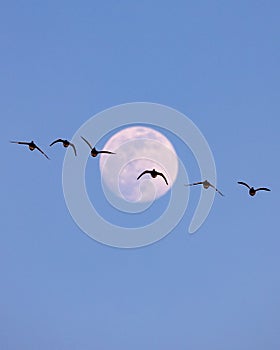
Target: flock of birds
94,153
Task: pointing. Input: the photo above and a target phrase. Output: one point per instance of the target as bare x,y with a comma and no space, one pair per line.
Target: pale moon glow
138,148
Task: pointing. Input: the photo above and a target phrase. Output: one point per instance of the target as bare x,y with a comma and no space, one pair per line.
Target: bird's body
153,174
31,145
65,144
94,152
252,190
206,184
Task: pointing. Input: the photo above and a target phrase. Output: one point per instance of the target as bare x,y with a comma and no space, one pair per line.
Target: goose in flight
206,185
94,151
65,143
252,190
31,146
153,174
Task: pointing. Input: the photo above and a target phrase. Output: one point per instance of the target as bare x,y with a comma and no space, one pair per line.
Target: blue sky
218,63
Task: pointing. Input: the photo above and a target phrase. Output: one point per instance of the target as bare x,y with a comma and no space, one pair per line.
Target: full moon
137,149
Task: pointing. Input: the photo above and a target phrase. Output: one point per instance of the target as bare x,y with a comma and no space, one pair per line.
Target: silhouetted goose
31,146
153,174
206,185
94,151
252,190
65,143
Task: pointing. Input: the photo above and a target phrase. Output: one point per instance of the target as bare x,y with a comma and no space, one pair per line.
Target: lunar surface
138,148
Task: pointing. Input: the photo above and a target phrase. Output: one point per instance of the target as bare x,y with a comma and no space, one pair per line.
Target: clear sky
215,61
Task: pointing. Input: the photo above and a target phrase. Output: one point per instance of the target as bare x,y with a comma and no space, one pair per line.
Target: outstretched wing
263,189
216,190
58,140
243,183
144,172
20,143
74,148
39,149
195,183
86,141
162,175
219,192
108,152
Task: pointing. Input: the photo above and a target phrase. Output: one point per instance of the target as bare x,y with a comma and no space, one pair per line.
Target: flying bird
252,190
153,174
206,185
94,152
65,143
31,146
